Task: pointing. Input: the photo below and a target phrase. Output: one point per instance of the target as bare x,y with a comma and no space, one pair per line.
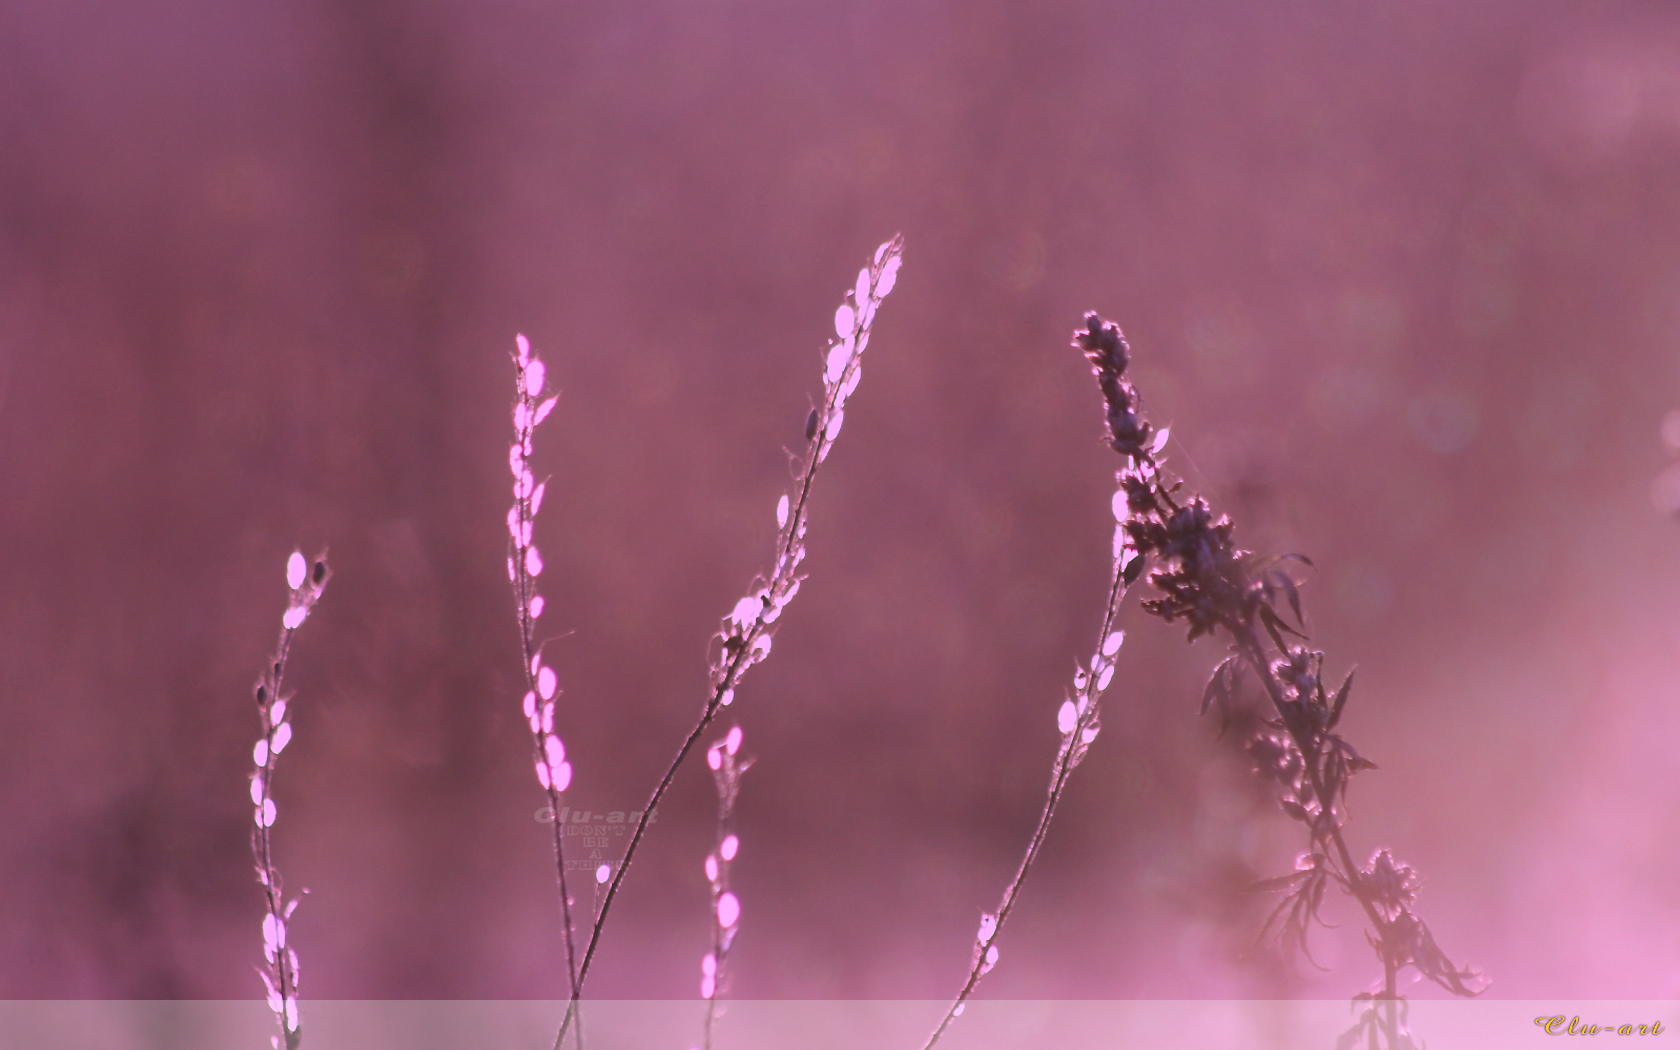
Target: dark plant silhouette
1205,580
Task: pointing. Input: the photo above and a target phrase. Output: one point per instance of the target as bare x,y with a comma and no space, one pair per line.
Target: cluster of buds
1105,347
726,768
306,581
525,564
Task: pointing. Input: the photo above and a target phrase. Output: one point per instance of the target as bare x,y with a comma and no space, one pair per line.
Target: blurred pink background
1404,279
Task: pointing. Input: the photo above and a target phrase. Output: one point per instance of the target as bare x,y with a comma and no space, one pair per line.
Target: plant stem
1067,757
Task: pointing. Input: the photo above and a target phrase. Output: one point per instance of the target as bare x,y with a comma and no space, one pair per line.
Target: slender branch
306,584
726,908
553,772
1077,734
745,634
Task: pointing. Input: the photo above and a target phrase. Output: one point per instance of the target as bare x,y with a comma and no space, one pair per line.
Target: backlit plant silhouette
1203,579
280,971
1220,590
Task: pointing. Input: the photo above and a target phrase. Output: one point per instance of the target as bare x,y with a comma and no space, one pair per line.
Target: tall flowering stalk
542,685
1078,720
745,636
726,907
280,963
1205,580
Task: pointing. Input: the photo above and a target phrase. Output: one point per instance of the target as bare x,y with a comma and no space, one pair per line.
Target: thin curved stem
1067,756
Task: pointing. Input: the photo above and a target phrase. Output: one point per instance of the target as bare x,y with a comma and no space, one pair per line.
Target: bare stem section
1205,580
746,633
280,969
531,406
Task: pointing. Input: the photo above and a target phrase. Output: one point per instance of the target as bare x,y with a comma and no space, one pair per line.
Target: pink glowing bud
274,933
533,562
708,985
536,498
843,319
542,773
1111,644
861,293
521,416
296,570
554,750
728,910
535,373
277,713
266,814
536,606
530,705
274,1002
782,512
729,847
1066,717
547,721
546,682
294,617
711,868
603,873
727,698
714,758
733,741
516,459
562,776
889,277
708,965
259,754
524,346
256,791
545,408
838,358
282,737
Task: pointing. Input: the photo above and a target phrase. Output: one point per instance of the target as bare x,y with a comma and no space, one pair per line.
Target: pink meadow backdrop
1404,280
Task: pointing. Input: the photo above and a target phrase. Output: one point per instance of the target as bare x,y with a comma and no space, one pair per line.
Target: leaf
1294,597
1219,685
1133,570
1341,698
1272,623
